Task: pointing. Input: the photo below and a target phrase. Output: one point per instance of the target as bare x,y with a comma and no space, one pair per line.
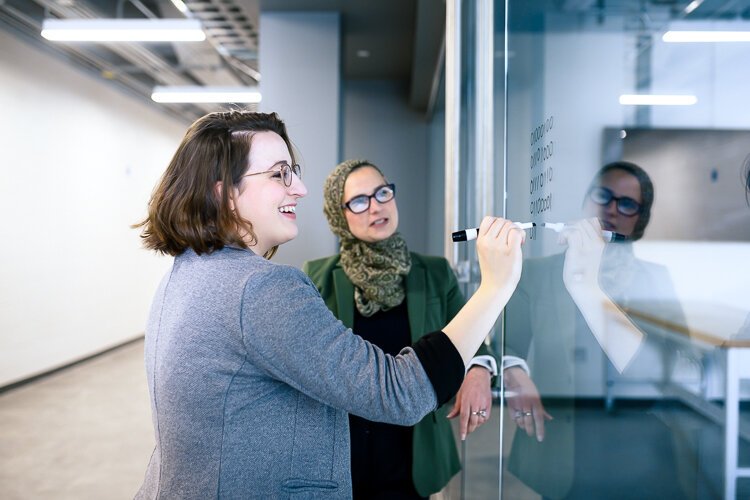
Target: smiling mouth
288,209
380,222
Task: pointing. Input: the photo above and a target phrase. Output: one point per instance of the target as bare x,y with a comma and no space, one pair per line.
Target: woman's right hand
499,252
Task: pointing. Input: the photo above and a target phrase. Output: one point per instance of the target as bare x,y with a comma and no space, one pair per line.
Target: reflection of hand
583,257
617,335
524,404
473,401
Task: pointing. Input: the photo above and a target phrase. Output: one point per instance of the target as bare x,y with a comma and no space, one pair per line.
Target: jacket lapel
344,293
416,298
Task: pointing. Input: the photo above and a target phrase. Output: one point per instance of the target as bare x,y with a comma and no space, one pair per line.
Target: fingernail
463,437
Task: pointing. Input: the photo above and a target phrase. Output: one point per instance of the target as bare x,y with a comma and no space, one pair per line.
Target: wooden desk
713,326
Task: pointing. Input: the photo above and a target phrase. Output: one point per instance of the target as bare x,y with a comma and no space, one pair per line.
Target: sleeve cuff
485,361
511,361
442,363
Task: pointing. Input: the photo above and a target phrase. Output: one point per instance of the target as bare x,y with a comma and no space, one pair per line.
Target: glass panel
636,348
479,478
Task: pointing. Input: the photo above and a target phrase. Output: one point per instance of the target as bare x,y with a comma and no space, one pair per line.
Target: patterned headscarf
377,269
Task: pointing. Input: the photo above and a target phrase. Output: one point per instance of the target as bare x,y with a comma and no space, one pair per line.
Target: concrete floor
82,433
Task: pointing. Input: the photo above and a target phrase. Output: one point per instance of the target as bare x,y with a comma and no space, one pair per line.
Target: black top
382,453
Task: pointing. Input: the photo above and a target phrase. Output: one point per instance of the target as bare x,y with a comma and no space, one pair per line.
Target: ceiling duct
230,54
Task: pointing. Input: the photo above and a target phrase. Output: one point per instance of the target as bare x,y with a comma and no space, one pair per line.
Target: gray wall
379,126
436,185
301,83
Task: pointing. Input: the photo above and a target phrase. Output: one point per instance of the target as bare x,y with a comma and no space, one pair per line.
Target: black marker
613,236
471,234
608,236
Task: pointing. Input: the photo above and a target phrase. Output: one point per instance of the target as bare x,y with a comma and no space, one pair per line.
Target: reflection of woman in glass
567,307
392,297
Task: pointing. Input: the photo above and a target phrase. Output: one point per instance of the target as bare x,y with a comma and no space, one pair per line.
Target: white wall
78,162
379,126
299,54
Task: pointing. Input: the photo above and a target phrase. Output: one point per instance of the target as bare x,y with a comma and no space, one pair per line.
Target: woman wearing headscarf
391,297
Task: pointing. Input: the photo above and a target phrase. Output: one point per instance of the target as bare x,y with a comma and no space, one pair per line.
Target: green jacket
432,299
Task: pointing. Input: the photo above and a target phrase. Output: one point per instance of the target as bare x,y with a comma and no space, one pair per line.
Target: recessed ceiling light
657,100
123,30
197,94
706,36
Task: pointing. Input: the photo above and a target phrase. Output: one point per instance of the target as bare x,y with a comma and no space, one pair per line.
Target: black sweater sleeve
442,363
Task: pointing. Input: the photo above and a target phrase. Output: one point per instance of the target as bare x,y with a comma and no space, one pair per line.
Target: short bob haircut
186,210
647,192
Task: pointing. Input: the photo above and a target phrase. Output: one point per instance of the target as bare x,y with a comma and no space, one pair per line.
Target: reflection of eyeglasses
626,206
285,173
361,203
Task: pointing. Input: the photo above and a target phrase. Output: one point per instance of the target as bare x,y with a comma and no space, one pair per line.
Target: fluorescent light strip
706,36
182,7
197,94
123,30
688,10
657,100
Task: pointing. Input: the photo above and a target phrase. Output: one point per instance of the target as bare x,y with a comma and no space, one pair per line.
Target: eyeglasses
361,203
285,173
625,206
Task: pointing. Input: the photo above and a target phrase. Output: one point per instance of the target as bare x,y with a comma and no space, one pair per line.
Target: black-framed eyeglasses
284,173
625,205
361,203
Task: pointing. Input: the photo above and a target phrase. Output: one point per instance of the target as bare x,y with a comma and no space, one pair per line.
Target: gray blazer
251,379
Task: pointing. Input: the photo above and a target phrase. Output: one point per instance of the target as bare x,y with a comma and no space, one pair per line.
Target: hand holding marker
471,234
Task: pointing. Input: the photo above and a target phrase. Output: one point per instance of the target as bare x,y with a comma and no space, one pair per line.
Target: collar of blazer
416,297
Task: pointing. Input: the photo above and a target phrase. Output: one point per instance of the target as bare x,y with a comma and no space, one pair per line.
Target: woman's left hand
473,401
